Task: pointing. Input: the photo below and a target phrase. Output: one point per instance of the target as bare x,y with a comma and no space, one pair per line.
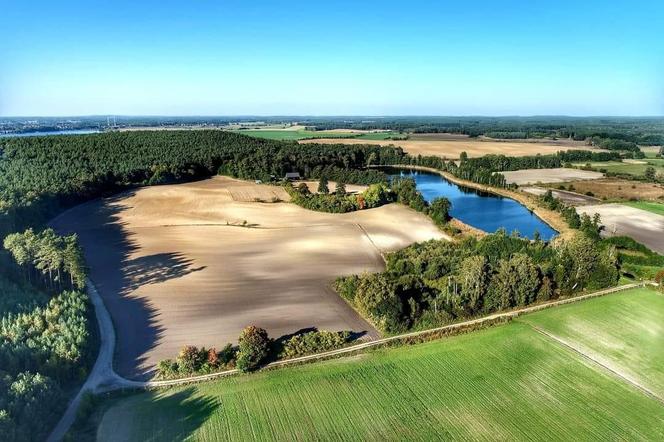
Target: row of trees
401,190
56,261
253,350
45,343
590,226
644,131
436,282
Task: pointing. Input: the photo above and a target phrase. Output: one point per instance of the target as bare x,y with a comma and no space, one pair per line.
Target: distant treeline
599,130
485,170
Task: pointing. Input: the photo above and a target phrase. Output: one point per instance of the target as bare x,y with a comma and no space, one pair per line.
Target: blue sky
332,58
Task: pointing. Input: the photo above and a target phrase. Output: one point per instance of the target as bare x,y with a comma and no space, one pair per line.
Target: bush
253,348
314,342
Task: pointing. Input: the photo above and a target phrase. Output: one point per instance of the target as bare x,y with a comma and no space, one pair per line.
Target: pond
479,209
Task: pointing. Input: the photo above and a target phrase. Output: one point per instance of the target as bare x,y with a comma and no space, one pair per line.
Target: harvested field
574,199
619,219
195,263
507,383
558,175
613,188
451,149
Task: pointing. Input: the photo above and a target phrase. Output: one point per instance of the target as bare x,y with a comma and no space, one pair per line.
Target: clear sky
197,57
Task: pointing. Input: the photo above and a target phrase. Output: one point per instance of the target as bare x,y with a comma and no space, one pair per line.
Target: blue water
482,210
55,132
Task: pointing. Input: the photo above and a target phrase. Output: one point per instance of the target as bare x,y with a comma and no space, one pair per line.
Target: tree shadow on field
109,248
175,416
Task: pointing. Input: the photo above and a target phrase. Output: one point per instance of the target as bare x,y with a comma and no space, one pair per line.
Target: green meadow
628,168
507,382
650,206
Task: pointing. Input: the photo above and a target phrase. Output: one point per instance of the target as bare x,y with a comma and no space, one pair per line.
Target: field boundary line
364,231
102,377
625,378
378,342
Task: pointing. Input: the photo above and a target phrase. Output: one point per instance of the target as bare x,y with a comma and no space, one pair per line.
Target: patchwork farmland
507,382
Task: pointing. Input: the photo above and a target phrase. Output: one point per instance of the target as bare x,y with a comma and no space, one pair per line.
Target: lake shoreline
549,217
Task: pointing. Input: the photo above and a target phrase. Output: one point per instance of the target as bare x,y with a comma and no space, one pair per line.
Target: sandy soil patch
571,198
558,175
175,266
643,226
451,149
612,188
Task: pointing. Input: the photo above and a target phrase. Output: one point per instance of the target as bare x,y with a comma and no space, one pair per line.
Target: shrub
314,342
253,348
190,359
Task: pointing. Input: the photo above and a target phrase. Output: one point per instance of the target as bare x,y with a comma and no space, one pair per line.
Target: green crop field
628,168
650,206
624,331
294,135
507,382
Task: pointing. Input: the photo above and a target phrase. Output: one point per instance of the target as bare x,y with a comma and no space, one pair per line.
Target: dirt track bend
103,378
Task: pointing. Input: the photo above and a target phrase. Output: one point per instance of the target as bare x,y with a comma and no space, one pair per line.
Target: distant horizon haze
426,58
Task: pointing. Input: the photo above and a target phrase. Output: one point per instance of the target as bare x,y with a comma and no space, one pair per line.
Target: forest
40,176
439,282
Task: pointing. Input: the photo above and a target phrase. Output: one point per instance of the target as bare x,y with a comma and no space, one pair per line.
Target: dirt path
103,378
622,376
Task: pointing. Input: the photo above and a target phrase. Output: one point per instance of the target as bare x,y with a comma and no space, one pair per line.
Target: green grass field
650,206
293,135
507,382
628,168
624,331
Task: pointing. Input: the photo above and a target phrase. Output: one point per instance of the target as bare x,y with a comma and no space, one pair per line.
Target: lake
482,210
54,132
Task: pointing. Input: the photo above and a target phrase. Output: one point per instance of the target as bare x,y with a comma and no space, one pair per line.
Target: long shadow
176,416
108,248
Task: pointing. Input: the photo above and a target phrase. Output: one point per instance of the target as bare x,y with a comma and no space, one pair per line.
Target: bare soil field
613,188
195,263
558,175
572,198
618,219
452,148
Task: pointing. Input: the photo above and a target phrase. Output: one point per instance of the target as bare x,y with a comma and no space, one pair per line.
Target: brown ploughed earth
193,264
450,146
618,220
557,175
614,188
